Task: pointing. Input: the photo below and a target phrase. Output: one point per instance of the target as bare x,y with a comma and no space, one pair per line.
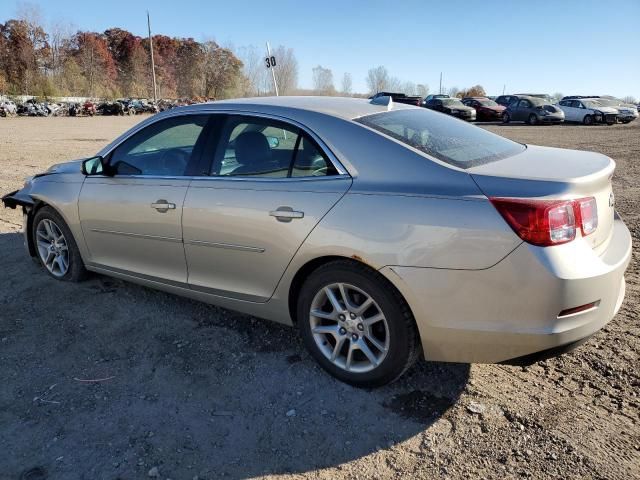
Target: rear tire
506,118
56,249
371,339
587,120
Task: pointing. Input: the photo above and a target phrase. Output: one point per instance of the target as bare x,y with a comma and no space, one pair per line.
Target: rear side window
443,137
260,147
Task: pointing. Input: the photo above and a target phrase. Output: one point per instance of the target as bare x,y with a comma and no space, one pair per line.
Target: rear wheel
587,120
506,118
356,325
55,246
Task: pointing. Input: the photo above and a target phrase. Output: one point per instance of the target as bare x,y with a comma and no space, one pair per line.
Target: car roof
341,107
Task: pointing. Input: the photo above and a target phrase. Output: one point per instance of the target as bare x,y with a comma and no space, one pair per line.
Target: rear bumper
511,309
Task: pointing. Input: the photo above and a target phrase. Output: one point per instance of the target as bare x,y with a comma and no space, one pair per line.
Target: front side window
443,137
524,104
258,147
164,148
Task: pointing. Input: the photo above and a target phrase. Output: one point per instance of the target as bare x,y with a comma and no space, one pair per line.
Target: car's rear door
132,220
270,184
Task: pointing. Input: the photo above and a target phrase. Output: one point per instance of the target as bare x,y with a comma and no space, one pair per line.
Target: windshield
452,102
443,137
487,103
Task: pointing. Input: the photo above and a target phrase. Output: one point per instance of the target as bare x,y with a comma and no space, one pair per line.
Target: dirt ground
193,391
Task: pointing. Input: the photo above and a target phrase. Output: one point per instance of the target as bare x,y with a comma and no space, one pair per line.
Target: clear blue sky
573,47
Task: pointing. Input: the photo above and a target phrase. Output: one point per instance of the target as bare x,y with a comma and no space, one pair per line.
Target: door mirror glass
93,166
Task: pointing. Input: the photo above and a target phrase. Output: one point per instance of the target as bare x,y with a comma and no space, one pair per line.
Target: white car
7,107
627,112
587,111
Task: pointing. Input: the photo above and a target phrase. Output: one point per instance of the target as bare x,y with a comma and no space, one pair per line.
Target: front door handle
285,214
163,206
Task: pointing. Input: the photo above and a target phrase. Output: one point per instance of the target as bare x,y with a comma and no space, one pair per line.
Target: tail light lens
588,209
548,222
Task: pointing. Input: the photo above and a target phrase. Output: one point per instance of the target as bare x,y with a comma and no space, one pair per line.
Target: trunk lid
553,173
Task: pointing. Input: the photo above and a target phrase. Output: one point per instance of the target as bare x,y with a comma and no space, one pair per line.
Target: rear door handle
163,206
286,214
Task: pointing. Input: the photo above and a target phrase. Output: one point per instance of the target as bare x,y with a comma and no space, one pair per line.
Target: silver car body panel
478,293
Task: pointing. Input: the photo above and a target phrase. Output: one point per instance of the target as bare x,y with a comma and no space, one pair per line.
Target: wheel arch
312,265
37,206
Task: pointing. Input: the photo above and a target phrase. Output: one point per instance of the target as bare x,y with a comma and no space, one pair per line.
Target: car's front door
132,219
270,183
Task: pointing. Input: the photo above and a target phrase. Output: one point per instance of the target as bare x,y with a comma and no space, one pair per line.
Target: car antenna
383,100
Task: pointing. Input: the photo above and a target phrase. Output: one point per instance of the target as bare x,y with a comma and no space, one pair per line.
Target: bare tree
258,81
286,69
377,79
323,80
347,84
422,89
453,91
629,99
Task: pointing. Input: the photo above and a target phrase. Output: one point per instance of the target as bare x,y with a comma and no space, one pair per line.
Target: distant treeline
112,64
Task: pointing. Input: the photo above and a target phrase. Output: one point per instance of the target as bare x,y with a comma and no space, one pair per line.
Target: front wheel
533,119
356,325
55,246
587,120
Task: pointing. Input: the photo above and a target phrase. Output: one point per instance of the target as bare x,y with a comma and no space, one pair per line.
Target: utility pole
440,91
153,66
271,65
503,88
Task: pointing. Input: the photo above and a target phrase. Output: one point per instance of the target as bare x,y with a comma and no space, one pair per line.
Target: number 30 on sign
270,61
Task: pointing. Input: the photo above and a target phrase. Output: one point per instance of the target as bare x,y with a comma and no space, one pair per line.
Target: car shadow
116,379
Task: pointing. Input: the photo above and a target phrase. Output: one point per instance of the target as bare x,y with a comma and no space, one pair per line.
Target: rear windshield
443,137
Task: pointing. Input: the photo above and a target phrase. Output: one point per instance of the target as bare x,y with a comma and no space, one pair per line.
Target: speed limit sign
270,61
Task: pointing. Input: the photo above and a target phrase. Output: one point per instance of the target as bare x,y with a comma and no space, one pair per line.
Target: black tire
404,342
506,118
533,119
76,271
587,120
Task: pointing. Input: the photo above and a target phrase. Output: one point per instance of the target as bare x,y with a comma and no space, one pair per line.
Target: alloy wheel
52,248
349,327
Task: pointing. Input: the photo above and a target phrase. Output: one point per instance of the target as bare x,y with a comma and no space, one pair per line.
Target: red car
486,110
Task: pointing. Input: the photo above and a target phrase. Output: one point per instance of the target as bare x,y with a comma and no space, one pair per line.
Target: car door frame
302,184
177,181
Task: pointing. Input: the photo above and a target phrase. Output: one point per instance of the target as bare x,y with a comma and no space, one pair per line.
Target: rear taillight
548,222
588,209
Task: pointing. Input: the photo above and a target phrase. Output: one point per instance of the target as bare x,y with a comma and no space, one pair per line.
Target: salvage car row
534,109
129,106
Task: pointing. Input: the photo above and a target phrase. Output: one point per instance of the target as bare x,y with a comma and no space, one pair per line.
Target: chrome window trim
342,171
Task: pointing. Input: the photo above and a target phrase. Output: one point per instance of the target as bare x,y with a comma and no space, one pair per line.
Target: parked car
588,111
533,111
452,106
627,112
486,109
432,96
506,100
399,98
8,108
199,202
544,96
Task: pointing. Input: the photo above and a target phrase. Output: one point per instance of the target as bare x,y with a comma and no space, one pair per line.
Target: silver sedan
384,232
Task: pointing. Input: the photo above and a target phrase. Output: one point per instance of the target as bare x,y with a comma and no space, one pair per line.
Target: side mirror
93,166
273,142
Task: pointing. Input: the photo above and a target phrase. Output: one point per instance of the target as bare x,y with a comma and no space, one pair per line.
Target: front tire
56,248
587,120
533,119
356,325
